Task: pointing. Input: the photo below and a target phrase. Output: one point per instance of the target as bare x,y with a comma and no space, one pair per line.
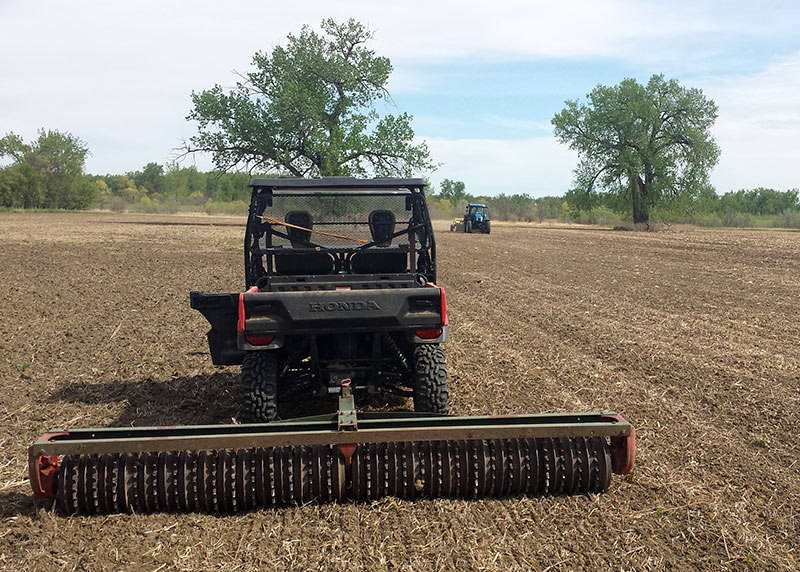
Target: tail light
259,340
428,334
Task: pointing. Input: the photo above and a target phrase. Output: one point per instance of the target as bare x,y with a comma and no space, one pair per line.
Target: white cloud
539,166
758,128
520,29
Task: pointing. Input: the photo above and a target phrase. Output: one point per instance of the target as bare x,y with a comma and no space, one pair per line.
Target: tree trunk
641,215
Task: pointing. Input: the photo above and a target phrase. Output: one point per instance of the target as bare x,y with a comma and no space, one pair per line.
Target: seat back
303,263
381,226
377,262
299,236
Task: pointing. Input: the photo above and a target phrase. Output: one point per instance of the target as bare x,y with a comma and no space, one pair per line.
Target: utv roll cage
296,247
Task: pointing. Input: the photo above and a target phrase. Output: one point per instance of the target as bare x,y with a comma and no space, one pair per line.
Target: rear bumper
236,317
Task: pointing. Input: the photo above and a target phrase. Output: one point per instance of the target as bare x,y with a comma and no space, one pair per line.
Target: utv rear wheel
259,387
430,380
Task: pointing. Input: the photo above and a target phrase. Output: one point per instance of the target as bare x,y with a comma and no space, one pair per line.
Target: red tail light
428,334
259,340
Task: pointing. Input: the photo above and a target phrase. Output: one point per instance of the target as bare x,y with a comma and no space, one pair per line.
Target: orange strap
280,222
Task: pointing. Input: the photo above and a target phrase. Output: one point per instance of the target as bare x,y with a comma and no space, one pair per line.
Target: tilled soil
693,336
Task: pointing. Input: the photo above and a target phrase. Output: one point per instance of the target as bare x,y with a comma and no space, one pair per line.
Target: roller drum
238,480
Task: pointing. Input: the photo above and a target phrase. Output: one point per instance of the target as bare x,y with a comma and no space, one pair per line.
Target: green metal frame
345,429
324,430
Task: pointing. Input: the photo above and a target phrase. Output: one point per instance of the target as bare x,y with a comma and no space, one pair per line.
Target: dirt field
693,336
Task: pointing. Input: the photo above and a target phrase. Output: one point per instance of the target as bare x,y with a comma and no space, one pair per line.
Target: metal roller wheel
238,480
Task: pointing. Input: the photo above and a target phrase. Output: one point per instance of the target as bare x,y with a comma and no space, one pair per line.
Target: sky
482,80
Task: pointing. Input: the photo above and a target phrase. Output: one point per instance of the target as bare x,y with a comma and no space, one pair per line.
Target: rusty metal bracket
42,469
623,447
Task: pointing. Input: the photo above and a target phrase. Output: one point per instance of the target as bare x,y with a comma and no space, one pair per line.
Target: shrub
601,216
118,204
736,219
788,219
708,220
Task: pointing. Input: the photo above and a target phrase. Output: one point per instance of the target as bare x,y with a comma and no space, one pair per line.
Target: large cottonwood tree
310,109
639,143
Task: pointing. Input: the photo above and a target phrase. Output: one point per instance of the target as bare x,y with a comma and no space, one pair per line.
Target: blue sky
482,80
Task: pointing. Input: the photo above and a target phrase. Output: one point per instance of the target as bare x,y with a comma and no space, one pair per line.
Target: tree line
742,208
48,173
172,188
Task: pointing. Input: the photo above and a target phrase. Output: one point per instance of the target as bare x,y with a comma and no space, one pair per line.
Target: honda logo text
343,306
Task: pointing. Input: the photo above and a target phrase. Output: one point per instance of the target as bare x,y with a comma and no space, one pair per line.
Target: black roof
339,183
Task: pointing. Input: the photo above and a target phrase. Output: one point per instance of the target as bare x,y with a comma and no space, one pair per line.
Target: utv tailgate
262,314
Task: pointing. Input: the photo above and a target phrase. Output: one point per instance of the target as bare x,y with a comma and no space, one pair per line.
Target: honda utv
340,284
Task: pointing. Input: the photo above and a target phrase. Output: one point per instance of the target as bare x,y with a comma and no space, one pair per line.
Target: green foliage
443,209
601,216
47,173
759,207
788,219
169,189
760,201
512,207
639,144
453,198
453,191
20,187
151,177
308,109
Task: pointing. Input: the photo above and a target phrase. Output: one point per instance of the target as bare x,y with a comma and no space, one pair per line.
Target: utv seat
299,236
298,263
377,262
309,263
381,227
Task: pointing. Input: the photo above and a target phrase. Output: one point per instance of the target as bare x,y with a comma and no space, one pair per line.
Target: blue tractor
476,219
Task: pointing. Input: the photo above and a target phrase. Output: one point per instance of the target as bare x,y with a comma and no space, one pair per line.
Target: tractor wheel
468,226
259,387
430,380
487,227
